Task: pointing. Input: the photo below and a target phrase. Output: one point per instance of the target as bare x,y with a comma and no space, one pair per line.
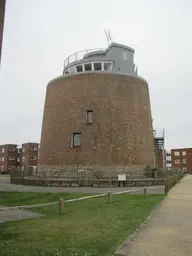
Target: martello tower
98,112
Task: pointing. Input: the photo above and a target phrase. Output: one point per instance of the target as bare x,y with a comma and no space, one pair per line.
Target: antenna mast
108,36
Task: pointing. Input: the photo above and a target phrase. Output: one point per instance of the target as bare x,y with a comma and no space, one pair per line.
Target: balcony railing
79,56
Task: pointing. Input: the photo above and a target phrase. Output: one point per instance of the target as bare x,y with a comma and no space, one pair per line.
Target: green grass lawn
28,198
87,228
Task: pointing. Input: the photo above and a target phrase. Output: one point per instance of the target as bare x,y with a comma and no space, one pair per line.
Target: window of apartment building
168,154
177,153
34,148
168,161
184,161
184,153
33,158
23,150
89,116
11,158
11,149
76,140
2,159
125,55
3,150
23,158
18,159
177,161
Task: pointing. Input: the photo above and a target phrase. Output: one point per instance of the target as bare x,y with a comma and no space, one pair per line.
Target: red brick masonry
121,132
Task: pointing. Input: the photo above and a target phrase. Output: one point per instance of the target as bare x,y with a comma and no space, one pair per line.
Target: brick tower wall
121,133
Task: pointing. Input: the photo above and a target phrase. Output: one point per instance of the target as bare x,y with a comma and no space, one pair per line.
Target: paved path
169,230
6,186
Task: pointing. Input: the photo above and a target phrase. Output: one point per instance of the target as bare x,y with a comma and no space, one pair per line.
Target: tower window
89,117
67,72
107,66
88,67
79,68
97,66
125,55
76,140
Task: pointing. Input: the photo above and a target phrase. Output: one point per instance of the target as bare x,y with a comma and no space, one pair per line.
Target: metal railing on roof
79,55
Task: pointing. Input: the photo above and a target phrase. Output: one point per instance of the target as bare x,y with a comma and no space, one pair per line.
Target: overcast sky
40,34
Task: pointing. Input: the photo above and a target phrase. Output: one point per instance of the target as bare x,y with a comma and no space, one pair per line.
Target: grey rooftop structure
116,58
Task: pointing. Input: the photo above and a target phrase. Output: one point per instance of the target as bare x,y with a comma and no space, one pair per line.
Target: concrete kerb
72,200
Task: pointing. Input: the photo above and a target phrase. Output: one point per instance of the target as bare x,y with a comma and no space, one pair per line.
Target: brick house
181,159
8,157
12,155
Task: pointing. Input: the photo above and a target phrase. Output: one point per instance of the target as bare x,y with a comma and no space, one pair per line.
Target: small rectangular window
3,150
33,158
79,68
88,67
97,66
89,117
23,150
23,158
184,161
76,139
184,153
177,161
125,55
11,158
2,159
34,148
177,153
12,149
107,66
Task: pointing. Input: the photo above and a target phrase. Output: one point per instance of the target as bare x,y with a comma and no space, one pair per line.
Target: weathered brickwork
121,133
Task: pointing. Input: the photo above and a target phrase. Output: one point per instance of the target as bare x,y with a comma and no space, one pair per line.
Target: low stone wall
32,181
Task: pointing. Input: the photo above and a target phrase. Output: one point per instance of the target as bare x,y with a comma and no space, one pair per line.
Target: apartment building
164,161
168,160
182,159
29,154
12,155
8,157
